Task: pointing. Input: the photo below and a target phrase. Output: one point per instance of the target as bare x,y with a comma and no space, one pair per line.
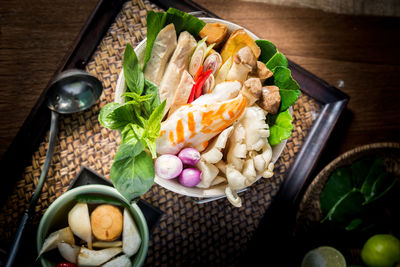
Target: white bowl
173,184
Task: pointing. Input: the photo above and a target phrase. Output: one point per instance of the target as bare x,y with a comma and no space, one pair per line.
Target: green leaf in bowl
267,48
289,89
281,128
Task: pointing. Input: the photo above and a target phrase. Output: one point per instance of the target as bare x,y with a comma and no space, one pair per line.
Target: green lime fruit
323,257
381,251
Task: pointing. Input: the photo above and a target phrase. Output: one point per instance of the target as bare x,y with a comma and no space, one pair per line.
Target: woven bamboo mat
214,233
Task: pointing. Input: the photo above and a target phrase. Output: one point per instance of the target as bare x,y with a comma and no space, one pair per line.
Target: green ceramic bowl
56,217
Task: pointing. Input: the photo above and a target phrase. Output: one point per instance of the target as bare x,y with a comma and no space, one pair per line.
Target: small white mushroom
121,261
249,171
130,235
88,257
208,173
269,171
267,153
79,222
221,165
233,197
68,252
218,180
253,121
259,163
213,152
237,150
243,62
62,235
236,180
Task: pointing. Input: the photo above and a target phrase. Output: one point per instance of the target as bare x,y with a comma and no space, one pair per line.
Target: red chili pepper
66,264
198,73
191,97
199,84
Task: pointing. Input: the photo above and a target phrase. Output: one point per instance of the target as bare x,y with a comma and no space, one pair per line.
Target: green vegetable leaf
150,105
97,199
338,185
354,224
289,89
134,77
277,60
376,169
346,208
138,99
267,48
282,129
184,21
155,23
132,172
152,129
359,171
116,116
131,134
381,186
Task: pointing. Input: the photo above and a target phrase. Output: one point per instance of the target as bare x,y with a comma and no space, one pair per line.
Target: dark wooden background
358,54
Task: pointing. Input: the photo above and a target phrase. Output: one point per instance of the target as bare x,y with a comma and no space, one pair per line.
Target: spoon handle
28,212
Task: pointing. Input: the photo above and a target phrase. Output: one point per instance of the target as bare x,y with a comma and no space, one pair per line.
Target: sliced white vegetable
121,261
62,235
105,244
213,152
68,252
88,257
130,235
253,121
237,150
209,172
218,180
198,57
168,166
269,171
223,71
221,165
79,222
267,153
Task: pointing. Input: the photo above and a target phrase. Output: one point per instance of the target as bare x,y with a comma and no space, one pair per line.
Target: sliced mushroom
249,171
88,257
208,173
243,62
164,46
131,239
237,149
256,129
261,71
121,261
235,178
218,180
233,197
213,152
251,90
221,165
269,171
270,99
259,163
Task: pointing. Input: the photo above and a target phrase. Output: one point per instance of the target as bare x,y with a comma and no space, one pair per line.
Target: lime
323,257
381,250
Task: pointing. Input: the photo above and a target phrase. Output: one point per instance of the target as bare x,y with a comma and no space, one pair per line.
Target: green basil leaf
267,48
150,105
277,60
338,185
376,169
153,124
132,172
151,145
131,134
116,116
282,129
289,89
134,77
155,22
137,98
346,208
97,199
354,224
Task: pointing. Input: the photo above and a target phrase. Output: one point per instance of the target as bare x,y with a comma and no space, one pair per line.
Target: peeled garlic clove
79,222
121,261
62,235
130,235
88,257
68,252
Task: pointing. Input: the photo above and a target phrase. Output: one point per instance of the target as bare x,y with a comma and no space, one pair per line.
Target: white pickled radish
168,166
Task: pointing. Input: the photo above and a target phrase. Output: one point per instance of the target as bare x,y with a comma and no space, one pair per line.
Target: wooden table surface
358,54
